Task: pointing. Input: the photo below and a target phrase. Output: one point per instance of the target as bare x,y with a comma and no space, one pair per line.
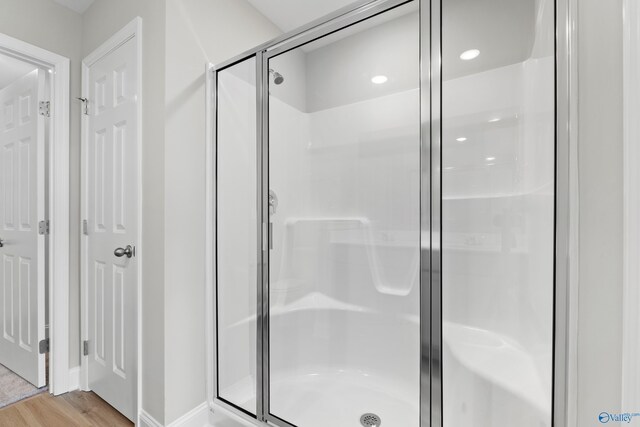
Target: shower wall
346,134
501,207
332,160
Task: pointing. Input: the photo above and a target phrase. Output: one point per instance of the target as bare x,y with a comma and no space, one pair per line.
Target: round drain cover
370,420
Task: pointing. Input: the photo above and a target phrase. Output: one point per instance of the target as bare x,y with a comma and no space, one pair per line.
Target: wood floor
77,408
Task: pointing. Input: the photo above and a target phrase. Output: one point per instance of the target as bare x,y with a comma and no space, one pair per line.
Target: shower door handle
273,206
270,236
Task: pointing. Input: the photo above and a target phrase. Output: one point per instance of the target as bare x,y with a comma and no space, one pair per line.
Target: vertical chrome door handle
273,206
129,251
270,235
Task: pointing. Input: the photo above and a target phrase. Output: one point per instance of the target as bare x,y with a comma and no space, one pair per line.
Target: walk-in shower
386,222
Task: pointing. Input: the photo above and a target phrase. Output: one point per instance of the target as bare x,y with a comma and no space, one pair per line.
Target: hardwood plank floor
78,408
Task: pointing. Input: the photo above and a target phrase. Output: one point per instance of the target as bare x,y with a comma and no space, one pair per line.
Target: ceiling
288,15
76,5
12,69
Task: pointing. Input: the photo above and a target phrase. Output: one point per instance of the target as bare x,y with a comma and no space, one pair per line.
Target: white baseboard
74,378
146,420
197,417
223,417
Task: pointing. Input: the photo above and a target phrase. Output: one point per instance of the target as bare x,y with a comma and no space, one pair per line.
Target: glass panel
498,138
237,234
344,152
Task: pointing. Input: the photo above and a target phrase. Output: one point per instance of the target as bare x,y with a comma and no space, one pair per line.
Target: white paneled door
111,229
22,247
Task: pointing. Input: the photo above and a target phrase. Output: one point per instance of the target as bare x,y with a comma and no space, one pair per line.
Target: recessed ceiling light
490,158
469,54
495,119
379,79
461,139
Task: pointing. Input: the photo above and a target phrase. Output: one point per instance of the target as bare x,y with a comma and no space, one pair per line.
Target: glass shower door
344,204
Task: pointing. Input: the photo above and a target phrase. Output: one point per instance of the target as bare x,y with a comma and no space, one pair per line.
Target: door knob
129,251
1,243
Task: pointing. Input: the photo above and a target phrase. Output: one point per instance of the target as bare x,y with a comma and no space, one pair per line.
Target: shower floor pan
332,399
493,381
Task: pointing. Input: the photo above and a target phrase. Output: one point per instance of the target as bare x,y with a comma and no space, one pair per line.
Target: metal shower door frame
430,201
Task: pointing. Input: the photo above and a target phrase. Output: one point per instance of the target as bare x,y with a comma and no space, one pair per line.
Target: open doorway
34,221
24,127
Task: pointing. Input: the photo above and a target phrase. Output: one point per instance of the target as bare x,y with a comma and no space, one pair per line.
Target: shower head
277,77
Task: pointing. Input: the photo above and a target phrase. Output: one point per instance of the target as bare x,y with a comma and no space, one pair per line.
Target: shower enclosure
390,218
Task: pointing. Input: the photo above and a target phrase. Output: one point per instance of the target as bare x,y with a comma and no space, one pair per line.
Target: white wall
197,32
600,158
103,19
50,26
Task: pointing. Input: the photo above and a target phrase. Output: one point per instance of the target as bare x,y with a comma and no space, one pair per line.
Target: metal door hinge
85,103
43,227
85,348
85,227
44,346
45,108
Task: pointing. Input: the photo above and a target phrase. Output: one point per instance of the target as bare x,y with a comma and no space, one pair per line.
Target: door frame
566,205
57,182
631,211
133,30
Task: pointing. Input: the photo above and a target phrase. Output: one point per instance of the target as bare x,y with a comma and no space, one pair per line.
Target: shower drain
370,420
